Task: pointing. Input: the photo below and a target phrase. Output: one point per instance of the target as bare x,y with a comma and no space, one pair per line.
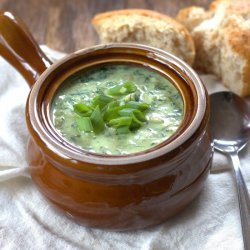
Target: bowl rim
52,145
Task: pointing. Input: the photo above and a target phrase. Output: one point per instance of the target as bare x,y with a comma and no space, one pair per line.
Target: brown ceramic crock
117,192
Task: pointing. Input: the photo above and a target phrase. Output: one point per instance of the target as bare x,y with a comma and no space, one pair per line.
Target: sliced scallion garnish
84,124
111,113
123,130
81,109
135,124
113,110
121,121
137,105
122,89
102,101
97,120
139,115
126,112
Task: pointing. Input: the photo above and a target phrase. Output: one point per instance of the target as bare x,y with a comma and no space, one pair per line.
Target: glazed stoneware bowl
117,192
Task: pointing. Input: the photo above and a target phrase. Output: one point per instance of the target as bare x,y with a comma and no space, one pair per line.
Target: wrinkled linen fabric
27,221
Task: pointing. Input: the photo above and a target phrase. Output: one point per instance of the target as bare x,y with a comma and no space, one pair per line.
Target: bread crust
147,13
192,16
99,22
239,41
226,27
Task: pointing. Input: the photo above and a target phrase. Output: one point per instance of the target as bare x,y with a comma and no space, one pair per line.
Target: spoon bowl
230,121
230,125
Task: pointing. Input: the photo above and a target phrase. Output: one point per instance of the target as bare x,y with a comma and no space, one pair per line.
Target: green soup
160,109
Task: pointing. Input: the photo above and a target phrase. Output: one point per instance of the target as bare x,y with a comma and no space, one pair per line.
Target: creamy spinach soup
117,109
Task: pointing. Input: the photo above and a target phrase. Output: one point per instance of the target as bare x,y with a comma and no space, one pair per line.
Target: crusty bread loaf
145,27
222,41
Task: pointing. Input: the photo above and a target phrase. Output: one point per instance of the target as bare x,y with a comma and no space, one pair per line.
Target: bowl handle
19,48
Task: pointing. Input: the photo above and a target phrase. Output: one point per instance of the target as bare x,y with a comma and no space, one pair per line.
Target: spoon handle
244,201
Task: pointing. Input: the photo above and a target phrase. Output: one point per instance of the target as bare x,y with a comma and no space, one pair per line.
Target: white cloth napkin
27,221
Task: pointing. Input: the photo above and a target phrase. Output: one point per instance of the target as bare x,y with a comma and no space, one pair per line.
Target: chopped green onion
84,124
123,113
137,105
101,101
113,104
130,86
135,124
82,109
123,130
131,97
115,91
97,120
133,112
139,115
121,121
126,112
111,114
122,89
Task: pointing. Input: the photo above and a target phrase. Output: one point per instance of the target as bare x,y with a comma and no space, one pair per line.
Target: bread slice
145,27
222,41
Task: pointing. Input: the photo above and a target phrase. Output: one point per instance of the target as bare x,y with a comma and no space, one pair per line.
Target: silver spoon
230,124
